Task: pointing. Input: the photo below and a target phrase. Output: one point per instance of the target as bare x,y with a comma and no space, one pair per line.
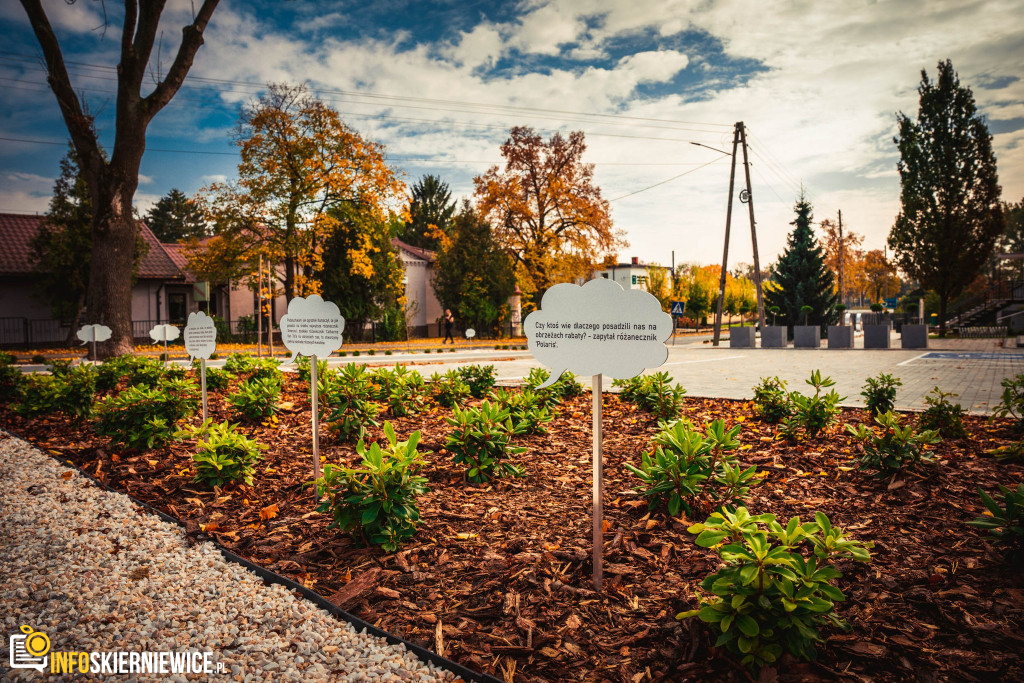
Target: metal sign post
316,416
202,384
598,486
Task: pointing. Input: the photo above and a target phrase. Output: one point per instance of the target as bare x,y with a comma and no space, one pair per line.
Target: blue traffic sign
678,307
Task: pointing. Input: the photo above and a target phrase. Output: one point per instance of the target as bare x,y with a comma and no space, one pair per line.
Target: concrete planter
876,336
840,337
741,338
806,337
914,337
773,337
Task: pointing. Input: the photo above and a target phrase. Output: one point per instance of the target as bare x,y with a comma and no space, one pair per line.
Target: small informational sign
312,327
93,333
470,333
598,329
200,342
678,308
164,333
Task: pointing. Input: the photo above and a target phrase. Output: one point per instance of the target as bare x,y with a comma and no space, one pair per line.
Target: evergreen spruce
801,277
430,209
175,217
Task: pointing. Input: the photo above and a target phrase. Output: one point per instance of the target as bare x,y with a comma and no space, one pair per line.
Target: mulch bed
498,577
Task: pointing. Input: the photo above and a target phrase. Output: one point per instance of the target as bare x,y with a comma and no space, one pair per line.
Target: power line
667,180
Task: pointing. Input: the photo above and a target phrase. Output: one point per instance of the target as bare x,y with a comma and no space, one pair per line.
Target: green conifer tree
801,276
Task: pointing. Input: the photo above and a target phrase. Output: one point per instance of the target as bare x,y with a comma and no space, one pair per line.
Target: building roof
17,231
175,251
422,254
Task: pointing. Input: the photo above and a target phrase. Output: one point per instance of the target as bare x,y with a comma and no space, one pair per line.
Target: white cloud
25,193
654,66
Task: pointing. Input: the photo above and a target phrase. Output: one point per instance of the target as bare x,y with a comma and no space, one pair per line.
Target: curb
273,578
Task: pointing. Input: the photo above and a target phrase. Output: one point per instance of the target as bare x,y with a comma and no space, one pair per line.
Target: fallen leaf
268,512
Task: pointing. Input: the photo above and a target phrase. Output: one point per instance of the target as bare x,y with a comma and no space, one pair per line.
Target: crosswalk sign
678,307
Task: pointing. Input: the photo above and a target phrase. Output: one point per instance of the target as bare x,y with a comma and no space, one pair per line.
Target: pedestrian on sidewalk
448,321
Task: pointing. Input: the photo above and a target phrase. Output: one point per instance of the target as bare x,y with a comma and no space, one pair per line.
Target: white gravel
96,572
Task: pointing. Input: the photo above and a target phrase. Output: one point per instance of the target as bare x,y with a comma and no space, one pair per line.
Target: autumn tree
698,287
839,249
801,277
430,213
950,215
473,275
659,285
176,217
545,209
363,273
301,170
880,276
112,181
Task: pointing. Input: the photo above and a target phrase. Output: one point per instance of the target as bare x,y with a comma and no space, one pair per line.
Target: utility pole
740,138
728,224
842,248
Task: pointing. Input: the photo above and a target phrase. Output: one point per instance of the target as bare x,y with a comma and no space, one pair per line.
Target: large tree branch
79,124
192,39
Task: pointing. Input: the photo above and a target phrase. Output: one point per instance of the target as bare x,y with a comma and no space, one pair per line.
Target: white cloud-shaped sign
164,333
200,335
90,333
599,328
312,327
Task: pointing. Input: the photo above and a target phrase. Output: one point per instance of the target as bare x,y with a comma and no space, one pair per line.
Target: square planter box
773,337
741,338
876,336
840,337
807,337
914,337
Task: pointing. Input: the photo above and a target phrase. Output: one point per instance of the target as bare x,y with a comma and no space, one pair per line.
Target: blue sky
818,85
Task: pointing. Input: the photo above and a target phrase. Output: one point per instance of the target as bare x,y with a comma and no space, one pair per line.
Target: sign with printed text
312,327
598,328
200,335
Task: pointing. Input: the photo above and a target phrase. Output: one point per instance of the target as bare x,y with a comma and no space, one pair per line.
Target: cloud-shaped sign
164,333
90,333
200,336
312,327
598,328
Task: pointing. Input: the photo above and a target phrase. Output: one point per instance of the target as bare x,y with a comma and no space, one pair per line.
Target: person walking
448,320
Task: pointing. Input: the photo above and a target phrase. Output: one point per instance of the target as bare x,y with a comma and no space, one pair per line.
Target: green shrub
71,393
479,378
525,409
256,399
226,455
136,370
378,498
60,367
811,415
687,470
481,441
1012,403
1004,519
7,358
448,390
10,382
943,416
889,447
218,379
771,401
239,363
38,359
564,387
349,399
880,393
770,598
142,417
269,369
653,394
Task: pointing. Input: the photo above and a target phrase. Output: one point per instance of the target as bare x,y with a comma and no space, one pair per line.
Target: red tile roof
176,253
17,231
422,254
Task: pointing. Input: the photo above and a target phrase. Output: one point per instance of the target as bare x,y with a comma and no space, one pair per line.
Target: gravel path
95,572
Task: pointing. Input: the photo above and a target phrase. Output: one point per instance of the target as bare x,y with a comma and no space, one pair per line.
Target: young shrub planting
349,399
653,394
256,398
268,369
688,470
225,455
135,370
70,393
218,379
771,401
525,408
239,363
1012,403
60,367
142,417
943,416
448,390
565,387
889,448
378,498
10,379
811,415
481,441
775,592
479,378
1004,520
880,393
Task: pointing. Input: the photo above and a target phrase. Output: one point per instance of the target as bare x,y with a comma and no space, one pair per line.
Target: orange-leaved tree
299,162
833,246
545,209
